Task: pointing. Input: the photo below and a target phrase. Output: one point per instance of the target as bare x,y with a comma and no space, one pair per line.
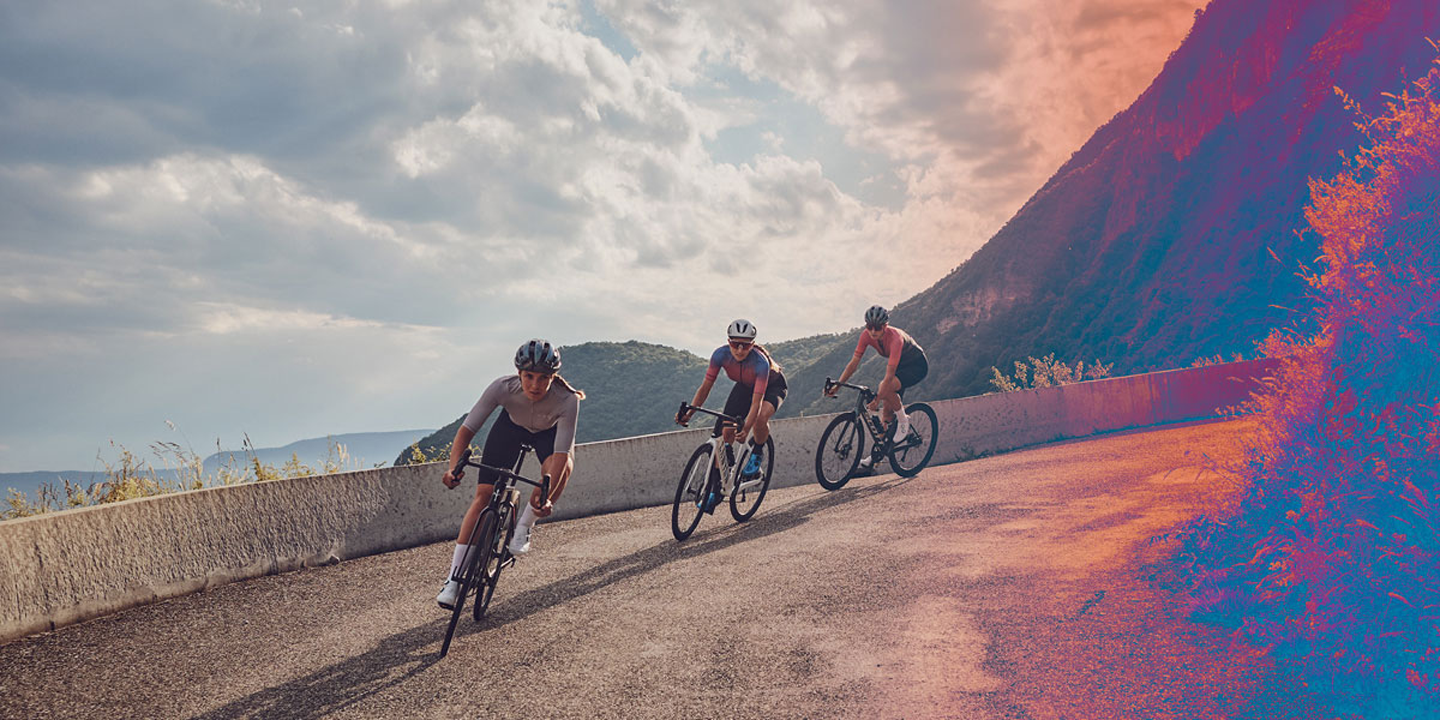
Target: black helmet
538,356
876,317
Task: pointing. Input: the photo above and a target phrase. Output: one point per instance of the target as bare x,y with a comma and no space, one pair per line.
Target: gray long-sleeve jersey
559,407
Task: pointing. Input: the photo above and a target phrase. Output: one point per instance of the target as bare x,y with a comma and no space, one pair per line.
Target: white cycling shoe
448,595
866,466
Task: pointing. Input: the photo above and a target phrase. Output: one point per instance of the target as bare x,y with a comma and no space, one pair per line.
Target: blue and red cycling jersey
754,371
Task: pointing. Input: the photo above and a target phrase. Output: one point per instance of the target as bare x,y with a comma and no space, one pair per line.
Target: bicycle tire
908,458
758,493
469,576
494,563
838,454
691,491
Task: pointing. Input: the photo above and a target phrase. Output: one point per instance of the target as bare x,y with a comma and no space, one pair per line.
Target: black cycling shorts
911,371
738,404
502,446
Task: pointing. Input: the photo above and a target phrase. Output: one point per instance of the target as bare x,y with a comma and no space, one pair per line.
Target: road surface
1025,585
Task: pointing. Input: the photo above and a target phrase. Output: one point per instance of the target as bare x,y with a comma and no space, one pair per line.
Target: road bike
713,473
488,548
842,444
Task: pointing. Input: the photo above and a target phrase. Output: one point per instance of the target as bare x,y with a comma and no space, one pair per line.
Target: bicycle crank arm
749,485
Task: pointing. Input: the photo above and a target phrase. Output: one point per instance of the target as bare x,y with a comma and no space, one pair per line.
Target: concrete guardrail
66,567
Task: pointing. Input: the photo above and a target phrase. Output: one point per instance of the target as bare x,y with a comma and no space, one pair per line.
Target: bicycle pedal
508,561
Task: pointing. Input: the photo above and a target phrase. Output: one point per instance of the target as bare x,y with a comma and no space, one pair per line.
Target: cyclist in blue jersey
759,390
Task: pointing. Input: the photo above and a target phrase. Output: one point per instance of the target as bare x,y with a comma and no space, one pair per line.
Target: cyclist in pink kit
906,365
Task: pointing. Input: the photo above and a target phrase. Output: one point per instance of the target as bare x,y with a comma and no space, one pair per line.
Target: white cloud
225,319
398,191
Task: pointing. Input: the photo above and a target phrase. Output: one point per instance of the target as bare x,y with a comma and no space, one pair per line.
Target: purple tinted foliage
1332,557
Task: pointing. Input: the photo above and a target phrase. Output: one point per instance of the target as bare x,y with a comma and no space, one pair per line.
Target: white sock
902,424
457,559
527,517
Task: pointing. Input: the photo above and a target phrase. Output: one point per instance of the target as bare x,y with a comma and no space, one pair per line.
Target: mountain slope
1152,245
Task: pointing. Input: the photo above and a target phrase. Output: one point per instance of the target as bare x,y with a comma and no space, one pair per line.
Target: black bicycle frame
881,439
507,479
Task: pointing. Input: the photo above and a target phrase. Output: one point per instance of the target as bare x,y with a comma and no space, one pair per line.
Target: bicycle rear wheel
690,493
470,577
841,446
745,500
909,456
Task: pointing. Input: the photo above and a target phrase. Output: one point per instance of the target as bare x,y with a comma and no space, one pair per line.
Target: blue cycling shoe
752,466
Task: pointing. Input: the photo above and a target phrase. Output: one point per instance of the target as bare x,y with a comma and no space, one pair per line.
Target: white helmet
742,329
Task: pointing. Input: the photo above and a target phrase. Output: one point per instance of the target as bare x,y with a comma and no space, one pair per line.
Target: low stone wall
74,565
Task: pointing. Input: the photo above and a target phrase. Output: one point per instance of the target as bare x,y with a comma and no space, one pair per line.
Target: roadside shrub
176,469
1047,372
1331,557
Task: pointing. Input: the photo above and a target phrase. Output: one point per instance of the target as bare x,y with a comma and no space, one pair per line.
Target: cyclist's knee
482,495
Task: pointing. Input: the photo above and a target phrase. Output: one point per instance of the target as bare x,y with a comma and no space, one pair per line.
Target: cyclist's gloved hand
683,417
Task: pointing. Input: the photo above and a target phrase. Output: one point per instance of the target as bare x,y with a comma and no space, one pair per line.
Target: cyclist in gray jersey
537,408
554,410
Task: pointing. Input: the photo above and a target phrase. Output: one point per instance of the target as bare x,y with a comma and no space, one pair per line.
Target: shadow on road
764,524
403,655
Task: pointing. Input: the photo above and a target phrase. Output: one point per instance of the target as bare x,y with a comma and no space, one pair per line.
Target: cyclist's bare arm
700,394
558,467
844,376
463,436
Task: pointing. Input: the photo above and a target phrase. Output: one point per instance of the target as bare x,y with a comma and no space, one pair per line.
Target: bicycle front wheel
841,446
690,493
469,577
748,493
909,456
499,538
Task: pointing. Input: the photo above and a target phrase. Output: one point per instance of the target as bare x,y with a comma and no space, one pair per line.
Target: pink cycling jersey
893,345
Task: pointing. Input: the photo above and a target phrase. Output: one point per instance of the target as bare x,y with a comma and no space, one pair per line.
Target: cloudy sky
293,219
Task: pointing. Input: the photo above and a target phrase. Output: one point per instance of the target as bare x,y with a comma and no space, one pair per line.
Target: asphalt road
1025,585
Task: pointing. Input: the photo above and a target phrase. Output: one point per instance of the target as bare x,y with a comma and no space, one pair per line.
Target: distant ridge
362,450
